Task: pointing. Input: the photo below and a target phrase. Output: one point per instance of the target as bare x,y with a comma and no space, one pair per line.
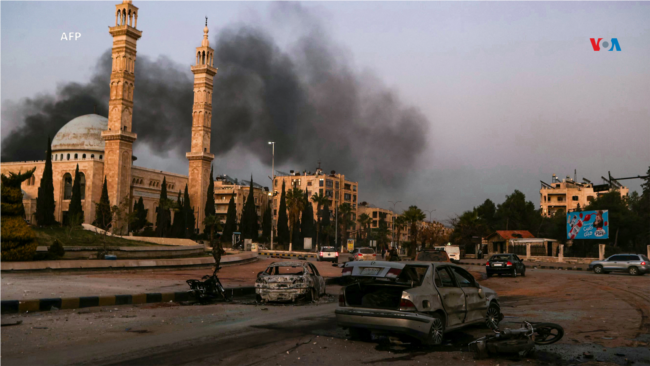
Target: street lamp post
430,212
272,191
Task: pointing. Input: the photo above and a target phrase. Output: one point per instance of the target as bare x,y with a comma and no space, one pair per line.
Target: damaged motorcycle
519,341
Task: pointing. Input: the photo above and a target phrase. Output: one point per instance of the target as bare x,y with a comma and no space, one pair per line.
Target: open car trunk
376,296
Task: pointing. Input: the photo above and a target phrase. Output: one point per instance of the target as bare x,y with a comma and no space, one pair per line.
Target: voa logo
597,44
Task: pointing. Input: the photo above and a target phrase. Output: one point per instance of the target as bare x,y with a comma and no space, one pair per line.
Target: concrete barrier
285,253
132,252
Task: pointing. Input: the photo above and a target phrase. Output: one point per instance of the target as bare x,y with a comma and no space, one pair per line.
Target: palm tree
365,220
400,224
320,200
295,204
413,216
345,209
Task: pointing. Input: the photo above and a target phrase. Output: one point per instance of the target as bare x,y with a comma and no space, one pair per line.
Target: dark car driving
505,263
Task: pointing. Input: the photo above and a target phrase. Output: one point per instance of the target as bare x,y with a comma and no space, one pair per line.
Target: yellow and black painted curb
23,306
273,254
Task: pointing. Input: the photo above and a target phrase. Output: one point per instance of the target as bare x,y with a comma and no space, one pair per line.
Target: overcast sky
512,92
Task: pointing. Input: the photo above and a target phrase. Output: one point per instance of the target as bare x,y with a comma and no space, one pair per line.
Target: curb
24,306
536,267
287,254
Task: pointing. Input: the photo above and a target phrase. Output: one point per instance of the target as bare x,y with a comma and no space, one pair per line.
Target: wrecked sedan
289,281
422,300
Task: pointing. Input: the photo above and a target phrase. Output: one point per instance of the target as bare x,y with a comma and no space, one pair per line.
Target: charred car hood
279,279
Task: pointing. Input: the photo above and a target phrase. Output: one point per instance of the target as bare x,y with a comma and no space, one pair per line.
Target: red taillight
406,305
347,271
321,254
337,254
359,255
643,263
487,264
374,255
393,273
509,264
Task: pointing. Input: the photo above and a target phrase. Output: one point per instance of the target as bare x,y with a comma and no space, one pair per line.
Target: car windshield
367,251
500,258
285,270
328,249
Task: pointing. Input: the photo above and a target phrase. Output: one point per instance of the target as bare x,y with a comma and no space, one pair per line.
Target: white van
453,251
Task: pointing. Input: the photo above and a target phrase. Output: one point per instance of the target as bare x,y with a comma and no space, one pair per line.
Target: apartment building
335,186
566,195
226,187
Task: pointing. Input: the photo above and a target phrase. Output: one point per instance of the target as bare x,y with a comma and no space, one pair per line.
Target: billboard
587,225
350,245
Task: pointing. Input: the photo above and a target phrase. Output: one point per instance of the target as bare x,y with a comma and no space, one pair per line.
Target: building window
82,185
68,156
374,223
61,158
544,198
590,198
329,193
374,214
275,212
354,188
560,199
92,156
354,198
76,156
295,182
309,184
320,183
337,185
320,191
67,186
347,196
347,186
101,157
83,156
354,207
330,183
575,198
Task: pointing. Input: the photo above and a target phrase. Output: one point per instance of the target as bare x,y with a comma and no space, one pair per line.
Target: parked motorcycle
210,288
519,341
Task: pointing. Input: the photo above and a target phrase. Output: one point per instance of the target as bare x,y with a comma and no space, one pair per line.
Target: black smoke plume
308,100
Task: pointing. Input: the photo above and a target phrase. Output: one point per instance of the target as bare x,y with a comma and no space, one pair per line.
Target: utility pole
272,188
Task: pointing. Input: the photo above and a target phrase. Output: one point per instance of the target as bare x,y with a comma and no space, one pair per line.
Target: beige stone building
565,195
335,186
103,147
226,187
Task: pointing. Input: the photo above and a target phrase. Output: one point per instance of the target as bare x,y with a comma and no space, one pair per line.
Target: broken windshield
285,270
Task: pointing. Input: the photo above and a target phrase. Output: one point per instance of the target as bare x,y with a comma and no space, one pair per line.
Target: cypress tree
140,216
103,215
75,210
266,224
249,225
45,201
18,242
188,212
283,220
324,226
296,237
163,215
178,227
209,203
307,222
231,222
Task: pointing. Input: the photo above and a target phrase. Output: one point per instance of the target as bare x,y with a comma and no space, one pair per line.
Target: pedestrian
217,252
383,252
394,257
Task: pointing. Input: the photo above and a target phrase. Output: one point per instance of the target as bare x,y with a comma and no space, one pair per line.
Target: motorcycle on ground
208,288
520,341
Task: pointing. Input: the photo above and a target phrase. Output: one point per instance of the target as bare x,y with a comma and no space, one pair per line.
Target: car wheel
523,274
598,270
437,330
514,273
633,271
360,334
493,316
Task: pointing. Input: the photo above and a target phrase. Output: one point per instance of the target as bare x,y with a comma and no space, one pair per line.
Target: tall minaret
119,138
199,156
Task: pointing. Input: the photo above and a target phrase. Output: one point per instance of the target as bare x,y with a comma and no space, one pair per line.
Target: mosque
103,147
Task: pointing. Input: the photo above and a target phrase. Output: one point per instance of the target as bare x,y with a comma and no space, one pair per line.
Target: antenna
575,175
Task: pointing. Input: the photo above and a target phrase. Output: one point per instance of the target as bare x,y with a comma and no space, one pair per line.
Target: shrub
56,249
18,242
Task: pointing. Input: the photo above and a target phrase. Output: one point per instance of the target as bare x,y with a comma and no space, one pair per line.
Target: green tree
382,232
399,226
327,229
266,224
210,210
178,226
413,216
188,215
103,217
515,213
231,222
163,216
140,216
249,222
364,221
307,221
345,220
18,242
283,221
295,203
45,201
75,210
320,201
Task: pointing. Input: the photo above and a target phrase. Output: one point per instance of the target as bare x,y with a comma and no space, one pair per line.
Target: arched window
92,156
68,156
76,156
100,157
82,185
61,158
67,186
83,156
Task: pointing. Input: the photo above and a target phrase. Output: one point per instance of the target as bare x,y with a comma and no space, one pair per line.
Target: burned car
421,300
289,281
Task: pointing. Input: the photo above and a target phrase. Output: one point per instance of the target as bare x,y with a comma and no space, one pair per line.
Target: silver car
289,281
634,264
422,300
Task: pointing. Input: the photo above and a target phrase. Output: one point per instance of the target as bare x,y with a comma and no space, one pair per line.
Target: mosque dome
82,133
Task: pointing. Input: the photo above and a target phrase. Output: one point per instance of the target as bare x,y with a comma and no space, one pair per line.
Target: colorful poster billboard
587,225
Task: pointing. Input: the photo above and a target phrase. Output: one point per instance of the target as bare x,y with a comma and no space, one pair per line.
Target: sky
511,92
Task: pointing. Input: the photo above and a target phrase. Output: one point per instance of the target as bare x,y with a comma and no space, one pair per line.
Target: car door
319,282
520,264
452,297
613,263
476,304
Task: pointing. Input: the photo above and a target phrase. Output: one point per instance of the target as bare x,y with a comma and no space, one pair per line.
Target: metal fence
519,249
538,250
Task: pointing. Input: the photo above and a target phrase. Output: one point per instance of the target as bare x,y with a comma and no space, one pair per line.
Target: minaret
119,139
199,157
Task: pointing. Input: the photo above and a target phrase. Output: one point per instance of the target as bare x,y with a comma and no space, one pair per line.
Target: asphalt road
606,316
